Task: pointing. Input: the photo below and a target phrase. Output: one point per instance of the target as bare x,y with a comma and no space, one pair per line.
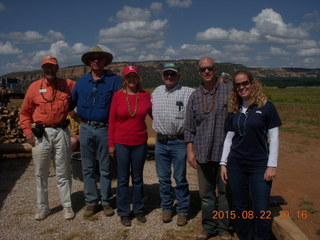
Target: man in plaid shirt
169,103
204,134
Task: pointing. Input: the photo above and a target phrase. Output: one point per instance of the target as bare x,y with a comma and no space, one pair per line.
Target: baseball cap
129,69
49,59
171,66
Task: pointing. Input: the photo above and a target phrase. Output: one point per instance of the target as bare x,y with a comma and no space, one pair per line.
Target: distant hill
151,73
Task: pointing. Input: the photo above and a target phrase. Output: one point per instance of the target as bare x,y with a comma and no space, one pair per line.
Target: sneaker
68,213
41,214
226,236
141,217
89,211
182,220
108,210
166,217
125,221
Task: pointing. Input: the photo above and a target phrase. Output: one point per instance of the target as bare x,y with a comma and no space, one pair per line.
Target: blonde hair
139,84
257,96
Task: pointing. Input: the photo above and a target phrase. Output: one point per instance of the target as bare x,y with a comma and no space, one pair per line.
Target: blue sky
256,33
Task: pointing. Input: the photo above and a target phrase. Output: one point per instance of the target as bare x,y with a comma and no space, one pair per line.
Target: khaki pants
55,145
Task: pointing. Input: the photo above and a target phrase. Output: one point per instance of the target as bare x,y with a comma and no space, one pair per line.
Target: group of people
226,129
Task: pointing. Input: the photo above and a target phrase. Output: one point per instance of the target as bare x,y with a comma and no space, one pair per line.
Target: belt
95,123
165,138
64,124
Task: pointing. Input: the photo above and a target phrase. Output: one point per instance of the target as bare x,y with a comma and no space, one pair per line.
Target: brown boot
166,217
89,211
108,210
182,220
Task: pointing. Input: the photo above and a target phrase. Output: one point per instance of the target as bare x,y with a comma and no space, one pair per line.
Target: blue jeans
247,182
209,180
93,145
130,159
174,152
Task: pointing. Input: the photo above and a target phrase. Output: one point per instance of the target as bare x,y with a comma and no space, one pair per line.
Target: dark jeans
173,152
130,159
93,145
209,180
245,182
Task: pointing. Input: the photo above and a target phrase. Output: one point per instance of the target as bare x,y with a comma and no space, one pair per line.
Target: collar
103,75
175,88
206,91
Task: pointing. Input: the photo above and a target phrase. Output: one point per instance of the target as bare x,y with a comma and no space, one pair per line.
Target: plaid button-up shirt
206,131
169,109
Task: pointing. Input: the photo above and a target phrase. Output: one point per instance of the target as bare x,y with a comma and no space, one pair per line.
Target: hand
191,159
223,174
112,152
270,174
31,139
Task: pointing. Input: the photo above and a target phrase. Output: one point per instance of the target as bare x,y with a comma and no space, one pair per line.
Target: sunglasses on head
203,69
92,59
244,84
169,73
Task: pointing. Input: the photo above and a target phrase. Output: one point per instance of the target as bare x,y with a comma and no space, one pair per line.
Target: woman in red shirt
127,140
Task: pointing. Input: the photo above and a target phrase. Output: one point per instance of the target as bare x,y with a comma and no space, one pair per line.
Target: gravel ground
17,205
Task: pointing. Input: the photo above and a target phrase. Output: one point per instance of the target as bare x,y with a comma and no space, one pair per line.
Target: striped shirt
206,131
169,109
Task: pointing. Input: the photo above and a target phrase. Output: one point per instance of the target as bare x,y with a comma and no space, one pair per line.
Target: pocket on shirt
63,101
103,98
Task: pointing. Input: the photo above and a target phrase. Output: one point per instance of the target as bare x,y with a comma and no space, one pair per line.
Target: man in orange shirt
46,104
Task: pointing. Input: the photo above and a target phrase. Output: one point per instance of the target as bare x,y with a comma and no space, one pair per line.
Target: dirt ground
297,180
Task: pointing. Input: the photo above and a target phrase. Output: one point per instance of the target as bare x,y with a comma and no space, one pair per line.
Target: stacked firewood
10,131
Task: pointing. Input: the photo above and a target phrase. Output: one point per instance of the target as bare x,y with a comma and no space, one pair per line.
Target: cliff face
151,72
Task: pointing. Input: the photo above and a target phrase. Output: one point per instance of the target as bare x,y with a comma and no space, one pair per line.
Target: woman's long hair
139,84
257,96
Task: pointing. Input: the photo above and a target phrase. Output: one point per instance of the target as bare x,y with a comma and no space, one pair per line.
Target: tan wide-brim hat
96,51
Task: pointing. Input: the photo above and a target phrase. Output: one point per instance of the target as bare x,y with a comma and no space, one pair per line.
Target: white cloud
2,7
269,28
278,51
304,44
179,3
155,45
133,31
8,49
156,7
237,48
128,13
33,37
309,52
269,22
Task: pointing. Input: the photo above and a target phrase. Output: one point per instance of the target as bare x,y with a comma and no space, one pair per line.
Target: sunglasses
170,73
243,84
203,69
98,58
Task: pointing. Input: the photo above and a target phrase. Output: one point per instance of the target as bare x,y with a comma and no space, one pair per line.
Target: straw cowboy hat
96,51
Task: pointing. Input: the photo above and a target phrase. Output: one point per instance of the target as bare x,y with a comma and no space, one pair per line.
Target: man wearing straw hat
92,95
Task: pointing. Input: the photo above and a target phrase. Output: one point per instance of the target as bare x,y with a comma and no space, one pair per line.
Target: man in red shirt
46,105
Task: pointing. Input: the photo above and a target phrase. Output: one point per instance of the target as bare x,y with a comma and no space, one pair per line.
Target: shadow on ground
11,169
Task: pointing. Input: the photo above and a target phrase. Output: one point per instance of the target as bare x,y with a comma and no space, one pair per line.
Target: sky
255,33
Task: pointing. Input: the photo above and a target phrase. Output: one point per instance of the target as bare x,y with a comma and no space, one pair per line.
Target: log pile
10,131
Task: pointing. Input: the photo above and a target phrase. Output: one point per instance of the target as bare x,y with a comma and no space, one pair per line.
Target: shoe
108,210
203,236
68,213
41,214
182,220
125,221
141,217
166,217
89,211
226,236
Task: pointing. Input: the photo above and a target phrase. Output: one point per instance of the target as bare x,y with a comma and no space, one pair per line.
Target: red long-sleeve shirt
123,128
36,109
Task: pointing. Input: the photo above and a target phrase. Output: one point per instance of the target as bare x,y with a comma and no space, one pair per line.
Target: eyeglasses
98,58
203,69
170,73
243,84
